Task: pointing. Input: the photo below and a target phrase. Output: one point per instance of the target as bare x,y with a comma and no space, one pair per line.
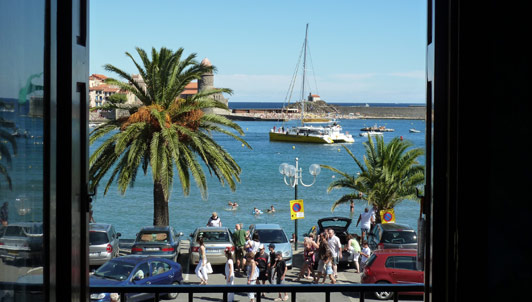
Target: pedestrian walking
261,259
367,218
229,273
353,248
364,254
280,274
322,252
239,238
328,263
201,268
252,272
308,255
335,247
271,263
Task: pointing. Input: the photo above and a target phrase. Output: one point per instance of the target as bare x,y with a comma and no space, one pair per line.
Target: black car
340,226
392,236
158,241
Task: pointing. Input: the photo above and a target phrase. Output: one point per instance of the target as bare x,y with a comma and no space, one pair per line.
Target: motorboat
372,133
413,130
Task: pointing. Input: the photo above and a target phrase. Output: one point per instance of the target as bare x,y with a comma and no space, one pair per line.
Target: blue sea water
261,185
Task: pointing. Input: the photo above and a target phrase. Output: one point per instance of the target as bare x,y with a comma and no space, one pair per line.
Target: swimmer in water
233,205
271,210
256,211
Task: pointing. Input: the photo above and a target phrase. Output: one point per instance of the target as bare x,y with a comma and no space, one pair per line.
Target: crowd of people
322,254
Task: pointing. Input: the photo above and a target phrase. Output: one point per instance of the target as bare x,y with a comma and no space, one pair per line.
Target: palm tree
6,137
168,134
389,175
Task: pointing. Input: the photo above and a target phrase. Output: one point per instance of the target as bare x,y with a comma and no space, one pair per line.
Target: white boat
372,133
326,134
413,130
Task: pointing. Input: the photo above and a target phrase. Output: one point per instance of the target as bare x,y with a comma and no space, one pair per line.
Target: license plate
151,249
213,251
93,254
12,253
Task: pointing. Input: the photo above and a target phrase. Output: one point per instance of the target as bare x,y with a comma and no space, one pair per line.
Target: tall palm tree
168,134
389,174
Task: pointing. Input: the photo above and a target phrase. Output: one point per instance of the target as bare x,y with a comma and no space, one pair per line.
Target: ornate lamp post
292,176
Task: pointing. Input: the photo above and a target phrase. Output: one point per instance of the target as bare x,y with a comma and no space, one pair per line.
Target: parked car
340,226
392,266
103,243
22,241
392,236
135,270
216,240
157,241
273,233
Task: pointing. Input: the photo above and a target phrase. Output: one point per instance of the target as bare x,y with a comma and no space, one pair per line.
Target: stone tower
207,82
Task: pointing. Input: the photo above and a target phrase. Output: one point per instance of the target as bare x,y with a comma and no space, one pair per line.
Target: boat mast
304,71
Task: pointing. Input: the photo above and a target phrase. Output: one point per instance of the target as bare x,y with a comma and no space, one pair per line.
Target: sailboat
326,134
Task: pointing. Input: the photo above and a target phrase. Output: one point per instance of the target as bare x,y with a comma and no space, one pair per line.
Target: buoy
401,137
338,149
293,147
242,145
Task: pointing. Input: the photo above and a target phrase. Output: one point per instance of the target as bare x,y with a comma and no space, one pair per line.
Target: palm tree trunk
160,206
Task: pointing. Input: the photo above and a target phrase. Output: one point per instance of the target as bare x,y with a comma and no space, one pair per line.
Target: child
229,273
280,273
328,263
364,254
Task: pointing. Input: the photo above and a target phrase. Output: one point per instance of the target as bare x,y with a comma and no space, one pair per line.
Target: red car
392,266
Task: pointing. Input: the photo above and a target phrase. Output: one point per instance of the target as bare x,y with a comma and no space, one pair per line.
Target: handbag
208,268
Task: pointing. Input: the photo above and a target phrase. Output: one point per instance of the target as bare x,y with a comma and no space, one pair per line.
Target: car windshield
332,223
14,231
97,238
153,236
34,230
214,236
115,269
399,237
272,236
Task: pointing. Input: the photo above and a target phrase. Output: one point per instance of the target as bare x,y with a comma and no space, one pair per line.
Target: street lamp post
294,176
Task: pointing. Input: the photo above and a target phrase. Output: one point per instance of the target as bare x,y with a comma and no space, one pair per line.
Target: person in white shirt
214,220
336,249
367,218
229,274
364,254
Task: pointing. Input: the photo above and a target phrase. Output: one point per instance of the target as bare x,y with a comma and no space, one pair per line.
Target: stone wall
413,112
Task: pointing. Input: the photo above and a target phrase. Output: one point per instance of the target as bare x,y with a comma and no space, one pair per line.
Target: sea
261,185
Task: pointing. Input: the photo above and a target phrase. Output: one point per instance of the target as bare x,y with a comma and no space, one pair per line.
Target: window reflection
21,147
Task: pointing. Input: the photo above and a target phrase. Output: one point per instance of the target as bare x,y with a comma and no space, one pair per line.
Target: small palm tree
168,134
389,175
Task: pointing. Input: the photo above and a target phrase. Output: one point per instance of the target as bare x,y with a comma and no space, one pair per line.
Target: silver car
216,240
103,243
273,233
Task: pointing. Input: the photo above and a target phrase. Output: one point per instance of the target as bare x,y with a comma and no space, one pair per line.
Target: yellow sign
387,216
297,211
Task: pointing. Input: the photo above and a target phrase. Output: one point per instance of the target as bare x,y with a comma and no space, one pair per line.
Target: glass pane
21,147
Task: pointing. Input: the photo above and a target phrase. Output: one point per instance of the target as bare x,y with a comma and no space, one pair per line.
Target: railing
327,289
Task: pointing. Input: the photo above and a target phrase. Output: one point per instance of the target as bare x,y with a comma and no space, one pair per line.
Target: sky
359,51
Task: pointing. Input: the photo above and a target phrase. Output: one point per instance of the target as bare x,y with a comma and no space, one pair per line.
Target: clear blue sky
362,51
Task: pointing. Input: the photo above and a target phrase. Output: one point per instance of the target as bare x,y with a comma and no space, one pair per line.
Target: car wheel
171,296
383,295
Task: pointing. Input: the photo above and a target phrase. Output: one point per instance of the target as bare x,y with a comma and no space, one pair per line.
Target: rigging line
288,96
312,65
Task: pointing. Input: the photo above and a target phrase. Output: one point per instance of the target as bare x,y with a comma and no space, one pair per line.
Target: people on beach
271,209
252,273
280,274
214,220
353,248
261,259
364,254
229,273
4,214
335,247
239,238
201,268
367,218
